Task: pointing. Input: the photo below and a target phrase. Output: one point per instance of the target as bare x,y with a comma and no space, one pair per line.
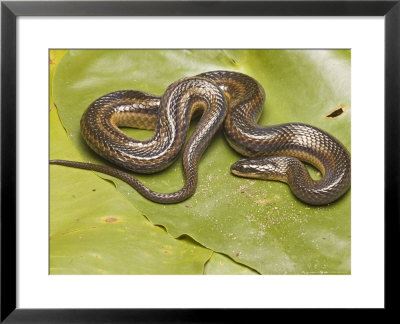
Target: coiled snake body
229,98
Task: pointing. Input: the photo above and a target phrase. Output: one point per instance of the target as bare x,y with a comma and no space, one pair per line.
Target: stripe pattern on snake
274,152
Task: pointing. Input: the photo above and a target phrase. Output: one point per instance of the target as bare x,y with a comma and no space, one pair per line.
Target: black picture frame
10,10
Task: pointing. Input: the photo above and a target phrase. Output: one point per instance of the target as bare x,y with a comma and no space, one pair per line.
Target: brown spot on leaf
336,112
111,220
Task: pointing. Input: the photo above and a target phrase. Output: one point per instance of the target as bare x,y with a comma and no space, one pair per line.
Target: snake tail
130,180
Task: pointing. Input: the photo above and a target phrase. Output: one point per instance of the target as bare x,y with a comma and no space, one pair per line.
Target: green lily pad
220,264
256,223
95,230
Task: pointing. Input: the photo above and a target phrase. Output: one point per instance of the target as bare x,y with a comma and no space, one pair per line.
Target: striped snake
221,97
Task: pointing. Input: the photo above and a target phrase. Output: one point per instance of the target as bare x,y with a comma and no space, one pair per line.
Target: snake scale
225,99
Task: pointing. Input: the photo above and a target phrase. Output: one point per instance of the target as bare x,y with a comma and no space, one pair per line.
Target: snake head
267,168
